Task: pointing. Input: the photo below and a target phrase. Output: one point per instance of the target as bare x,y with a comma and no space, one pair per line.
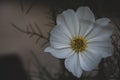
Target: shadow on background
11,68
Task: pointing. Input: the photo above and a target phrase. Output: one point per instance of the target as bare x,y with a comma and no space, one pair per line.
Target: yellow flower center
78,44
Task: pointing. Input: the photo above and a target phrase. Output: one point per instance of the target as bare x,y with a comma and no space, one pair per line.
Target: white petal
101,37
89,60
103,21
102,51
59,45
84,13
58,35
72,63
58,39
85,27
72,22
101,40
62,24
106,43
99,31
59,53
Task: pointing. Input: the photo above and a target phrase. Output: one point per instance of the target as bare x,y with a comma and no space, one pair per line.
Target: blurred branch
21,5
32,32
42,71
31,6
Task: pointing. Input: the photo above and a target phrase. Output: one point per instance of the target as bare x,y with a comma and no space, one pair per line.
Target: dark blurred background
11,68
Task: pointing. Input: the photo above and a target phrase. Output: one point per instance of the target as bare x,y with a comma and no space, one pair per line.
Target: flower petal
72,63
84,13
101,37
59,53
58,39
62,24
103,21
103,51
70,20
101,40
100,43
85,27
99,31
89,59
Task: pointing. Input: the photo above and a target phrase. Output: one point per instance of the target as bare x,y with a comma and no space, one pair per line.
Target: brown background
14,42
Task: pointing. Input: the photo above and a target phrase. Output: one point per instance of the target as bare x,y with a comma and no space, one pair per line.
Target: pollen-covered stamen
78,44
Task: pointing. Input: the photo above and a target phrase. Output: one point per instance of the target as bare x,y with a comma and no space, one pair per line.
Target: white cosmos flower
80,39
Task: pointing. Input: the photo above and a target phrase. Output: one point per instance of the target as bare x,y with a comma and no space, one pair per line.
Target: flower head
80,39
